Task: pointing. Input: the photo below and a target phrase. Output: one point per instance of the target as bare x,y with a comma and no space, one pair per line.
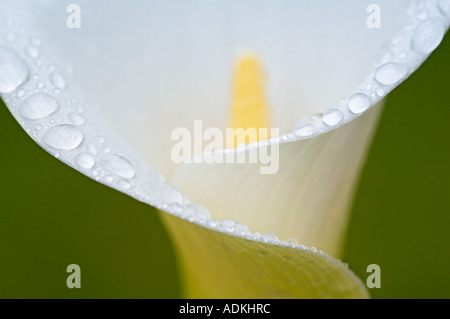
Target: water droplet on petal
359,103
402,55
38,106
108,178
76,119
32,52
58,81
63,137
428,35
269,237
162,192
212,223
118,165
292,241
384,57
241,229
391,73
444,6
332,117
13,71
20,93
91,149
423,15
228,225
200,212
85,160
123,184
304,130
398,39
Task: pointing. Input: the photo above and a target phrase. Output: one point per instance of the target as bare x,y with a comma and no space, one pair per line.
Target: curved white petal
180,53
180,72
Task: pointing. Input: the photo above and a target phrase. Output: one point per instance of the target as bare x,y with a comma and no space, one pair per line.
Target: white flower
153,66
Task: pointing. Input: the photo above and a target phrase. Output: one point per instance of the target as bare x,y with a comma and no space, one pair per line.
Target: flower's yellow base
217,265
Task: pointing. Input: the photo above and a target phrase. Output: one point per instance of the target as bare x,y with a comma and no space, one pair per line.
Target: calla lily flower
105,97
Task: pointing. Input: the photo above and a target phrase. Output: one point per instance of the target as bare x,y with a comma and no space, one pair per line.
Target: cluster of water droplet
52,111
423,31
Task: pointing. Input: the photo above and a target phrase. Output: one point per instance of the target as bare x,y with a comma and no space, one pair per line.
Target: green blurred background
52,216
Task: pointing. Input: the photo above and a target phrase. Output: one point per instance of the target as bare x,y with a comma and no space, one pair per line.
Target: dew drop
63,137
384,57
256,236
380,92
123,184
398,39
428,35
177,209
200,212
444,6
292,241
162,192
391,73
402,55
423,15
212,223
241,228
269,237
359,103
91,149
20,93
228,225
304,130
13,71
58,81
118,165
85,160
332,117
108,178
38,106
76,119
32,52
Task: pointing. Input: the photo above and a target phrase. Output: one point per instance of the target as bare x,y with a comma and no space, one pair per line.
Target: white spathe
152,66
179,57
